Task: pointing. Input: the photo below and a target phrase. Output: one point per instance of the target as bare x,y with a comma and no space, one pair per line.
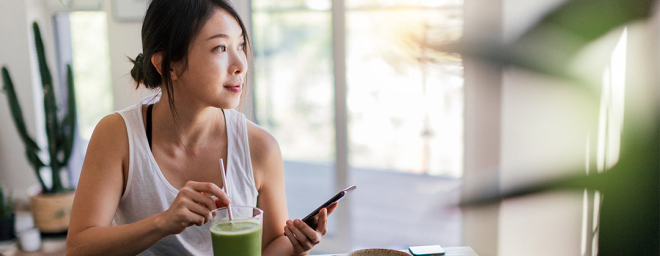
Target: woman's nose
238,63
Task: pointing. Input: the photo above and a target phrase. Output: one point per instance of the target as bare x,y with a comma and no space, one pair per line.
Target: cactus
60,132
6,203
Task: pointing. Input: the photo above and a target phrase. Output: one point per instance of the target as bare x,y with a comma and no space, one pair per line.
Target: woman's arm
97,196
100,188
268,170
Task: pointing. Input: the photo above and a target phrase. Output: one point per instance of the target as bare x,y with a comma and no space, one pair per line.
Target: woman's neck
193,124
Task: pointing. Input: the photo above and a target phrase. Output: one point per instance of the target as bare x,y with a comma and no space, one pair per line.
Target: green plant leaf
16,111
46,78
69,121
50,110
6,203
2,202
588,20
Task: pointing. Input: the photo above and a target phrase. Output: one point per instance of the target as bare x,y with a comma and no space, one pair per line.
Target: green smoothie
242,238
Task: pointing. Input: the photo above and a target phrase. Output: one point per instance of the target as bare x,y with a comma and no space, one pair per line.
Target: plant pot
51,212
7,230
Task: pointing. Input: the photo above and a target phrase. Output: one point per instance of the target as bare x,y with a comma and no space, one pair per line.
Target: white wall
125,41
482,89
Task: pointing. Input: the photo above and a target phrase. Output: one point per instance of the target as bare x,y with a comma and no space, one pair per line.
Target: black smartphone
313,222
429,250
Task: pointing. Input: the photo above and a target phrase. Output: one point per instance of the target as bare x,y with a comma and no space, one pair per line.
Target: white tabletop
449,251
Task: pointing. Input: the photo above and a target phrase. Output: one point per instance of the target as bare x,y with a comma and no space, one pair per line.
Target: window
405,103
91,65
293,73
402,111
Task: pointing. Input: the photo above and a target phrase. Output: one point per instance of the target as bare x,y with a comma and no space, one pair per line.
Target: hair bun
138,68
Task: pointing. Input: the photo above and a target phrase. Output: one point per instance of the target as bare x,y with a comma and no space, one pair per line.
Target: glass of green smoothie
240,236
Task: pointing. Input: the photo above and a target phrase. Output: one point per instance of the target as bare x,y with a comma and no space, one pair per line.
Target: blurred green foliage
6,203
630,210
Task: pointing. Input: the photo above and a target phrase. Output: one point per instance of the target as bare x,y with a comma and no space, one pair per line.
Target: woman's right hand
192,207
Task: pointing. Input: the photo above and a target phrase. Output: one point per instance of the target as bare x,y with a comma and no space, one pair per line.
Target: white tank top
148,192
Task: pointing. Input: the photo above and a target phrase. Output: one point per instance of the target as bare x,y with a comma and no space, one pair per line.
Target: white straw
224,187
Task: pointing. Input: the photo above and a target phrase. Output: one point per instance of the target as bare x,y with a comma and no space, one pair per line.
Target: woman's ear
157,61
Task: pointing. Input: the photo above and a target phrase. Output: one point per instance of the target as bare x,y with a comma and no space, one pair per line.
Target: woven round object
378,252
51,213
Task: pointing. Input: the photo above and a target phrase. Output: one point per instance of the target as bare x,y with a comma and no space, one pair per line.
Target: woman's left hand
303,237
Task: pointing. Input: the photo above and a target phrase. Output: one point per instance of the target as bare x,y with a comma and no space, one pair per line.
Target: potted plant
51,205
7,216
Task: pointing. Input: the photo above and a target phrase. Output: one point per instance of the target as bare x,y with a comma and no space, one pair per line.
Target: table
449,251
49,247
57,247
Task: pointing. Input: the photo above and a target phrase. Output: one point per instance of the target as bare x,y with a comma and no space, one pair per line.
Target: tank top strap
240,175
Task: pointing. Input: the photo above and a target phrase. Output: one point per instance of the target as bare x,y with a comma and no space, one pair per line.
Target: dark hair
169,27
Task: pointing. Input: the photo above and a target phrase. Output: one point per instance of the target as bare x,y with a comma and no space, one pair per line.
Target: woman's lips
236,88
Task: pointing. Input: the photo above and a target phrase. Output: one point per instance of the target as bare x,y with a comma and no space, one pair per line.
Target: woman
150,170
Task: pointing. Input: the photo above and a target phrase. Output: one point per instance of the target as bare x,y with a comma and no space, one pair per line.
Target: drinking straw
224,187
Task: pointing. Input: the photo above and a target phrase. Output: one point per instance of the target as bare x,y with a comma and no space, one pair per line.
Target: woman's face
216,66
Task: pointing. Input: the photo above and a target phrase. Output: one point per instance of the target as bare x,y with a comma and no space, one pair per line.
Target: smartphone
429,250
313,222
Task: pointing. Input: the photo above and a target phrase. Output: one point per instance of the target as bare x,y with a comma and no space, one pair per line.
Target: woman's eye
241,46
220,48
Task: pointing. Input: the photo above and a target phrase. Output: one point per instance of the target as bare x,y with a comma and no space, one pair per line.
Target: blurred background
356,92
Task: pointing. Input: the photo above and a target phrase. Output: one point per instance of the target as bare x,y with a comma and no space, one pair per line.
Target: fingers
322,227
204,200
211,188
192,216
219,203
180,216
331,208
297,247
187,207
302,237
308,232
192,206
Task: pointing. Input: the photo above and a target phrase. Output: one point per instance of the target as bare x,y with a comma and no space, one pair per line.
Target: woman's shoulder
263,144
109,143
265,155
111,128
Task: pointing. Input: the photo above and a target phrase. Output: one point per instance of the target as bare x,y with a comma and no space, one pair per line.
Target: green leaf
588,20
6,203
46,78
50,110
16,111
69,121
2,202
